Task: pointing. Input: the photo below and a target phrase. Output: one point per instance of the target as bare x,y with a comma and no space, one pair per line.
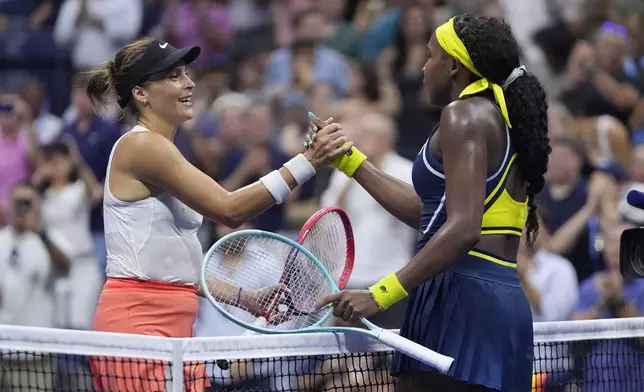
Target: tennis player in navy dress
474,183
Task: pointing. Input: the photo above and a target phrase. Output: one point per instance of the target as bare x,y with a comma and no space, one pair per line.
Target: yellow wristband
350,162
387,291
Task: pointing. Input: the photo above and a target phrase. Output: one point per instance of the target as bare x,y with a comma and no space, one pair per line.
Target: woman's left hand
351,305
257,301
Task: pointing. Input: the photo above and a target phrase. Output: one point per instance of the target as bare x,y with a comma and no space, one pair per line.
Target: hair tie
516,74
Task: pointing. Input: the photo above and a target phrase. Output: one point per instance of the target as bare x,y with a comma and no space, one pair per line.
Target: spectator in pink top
199,22
17,156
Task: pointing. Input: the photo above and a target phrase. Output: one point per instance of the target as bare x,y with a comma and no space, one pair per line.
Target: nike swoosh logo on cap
163,46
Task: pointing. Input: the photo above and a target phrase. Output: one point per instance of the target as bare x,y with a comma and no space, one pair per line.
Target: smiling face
168,95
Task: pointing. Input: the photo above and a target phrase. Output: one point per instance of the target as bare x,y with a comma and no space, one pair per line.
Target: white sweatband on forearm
276,185
300,168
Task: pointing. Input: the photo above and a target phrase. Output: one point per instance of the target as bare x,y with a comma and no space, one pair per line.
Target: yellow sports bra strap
449,41
501,182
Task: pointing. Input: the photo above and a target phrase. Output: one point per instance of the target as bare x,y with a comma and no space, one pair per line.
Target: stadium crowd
264,65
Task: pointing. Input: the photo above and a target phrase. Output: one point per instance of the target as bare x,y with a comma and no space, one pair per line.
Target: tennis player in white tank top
153,206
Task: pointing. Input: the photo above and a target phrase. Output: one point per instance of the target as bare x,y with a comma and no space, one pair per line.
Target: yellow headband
449,41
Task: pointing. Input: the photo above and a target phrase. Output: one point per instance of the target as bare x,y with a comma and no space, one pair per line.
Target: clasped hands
325,142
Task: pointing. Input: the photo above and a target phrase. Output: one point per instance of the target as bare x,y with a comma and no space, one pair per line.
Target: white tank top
151,239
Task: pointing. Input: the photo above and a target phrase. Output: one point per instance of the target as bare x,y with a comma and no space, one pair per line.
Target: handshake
327,143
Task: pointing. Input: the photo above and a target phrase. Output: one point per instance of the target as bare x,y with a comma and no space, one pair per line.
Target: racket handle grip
415,350
261,322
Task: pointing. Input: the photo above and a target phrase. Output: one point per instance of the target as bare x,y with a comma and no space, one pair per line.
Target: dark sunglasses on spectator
6,108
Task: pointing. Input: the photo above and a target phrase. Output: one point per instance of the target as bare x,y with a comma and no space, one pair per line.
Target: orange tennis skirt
145,308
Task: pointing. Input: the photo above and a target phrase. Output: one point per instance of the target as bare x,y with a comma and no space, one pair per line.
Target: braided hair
495,54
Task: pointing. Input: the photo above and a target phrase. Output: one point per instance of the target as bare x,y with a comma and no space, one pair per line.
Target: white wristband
276,185
300,168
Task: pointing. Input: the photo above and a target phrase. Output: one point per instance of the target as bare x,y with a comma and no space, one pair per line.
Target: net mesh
602,355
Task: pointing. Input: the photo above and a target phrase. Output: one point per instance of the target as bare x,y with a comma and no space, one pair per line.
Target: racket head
255,259
329,236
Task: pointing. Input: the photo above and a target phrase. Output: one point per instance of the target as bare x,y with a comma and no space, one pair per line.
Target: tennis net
600,355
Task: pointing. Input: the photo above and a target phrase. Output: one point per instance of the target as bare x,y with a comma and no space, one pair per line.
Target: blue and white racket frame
429,357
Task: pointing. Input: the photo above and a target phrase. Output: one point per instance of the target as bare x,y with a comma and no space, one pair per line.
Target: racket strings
257,264
327,240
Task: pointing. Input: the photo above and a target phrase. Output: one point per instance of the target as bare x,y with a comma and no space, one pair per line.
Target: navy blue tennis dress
476,311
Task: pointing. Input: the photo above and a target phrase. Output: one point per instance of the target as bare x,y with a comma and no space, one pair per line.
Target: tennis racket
260,260
328,235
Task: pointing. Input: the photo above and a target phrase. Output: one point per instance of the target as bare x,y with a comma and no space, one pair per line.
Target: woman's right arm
163,166
395,196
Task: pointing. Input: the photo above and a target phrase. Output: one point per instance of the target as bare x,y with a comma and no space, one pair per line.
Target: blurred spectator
213,82
18,149
284,12
549,280
199,22
94,138
605,137
372,90
70,190
29,262
153,11
256,154
387,22
320,99
373,227
576,206
307,60
382,32
340,36
46,125
228,110
615,364
251,78
410,50
253,23
93,30
596,83
33,14
406,58
247,15
608,142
